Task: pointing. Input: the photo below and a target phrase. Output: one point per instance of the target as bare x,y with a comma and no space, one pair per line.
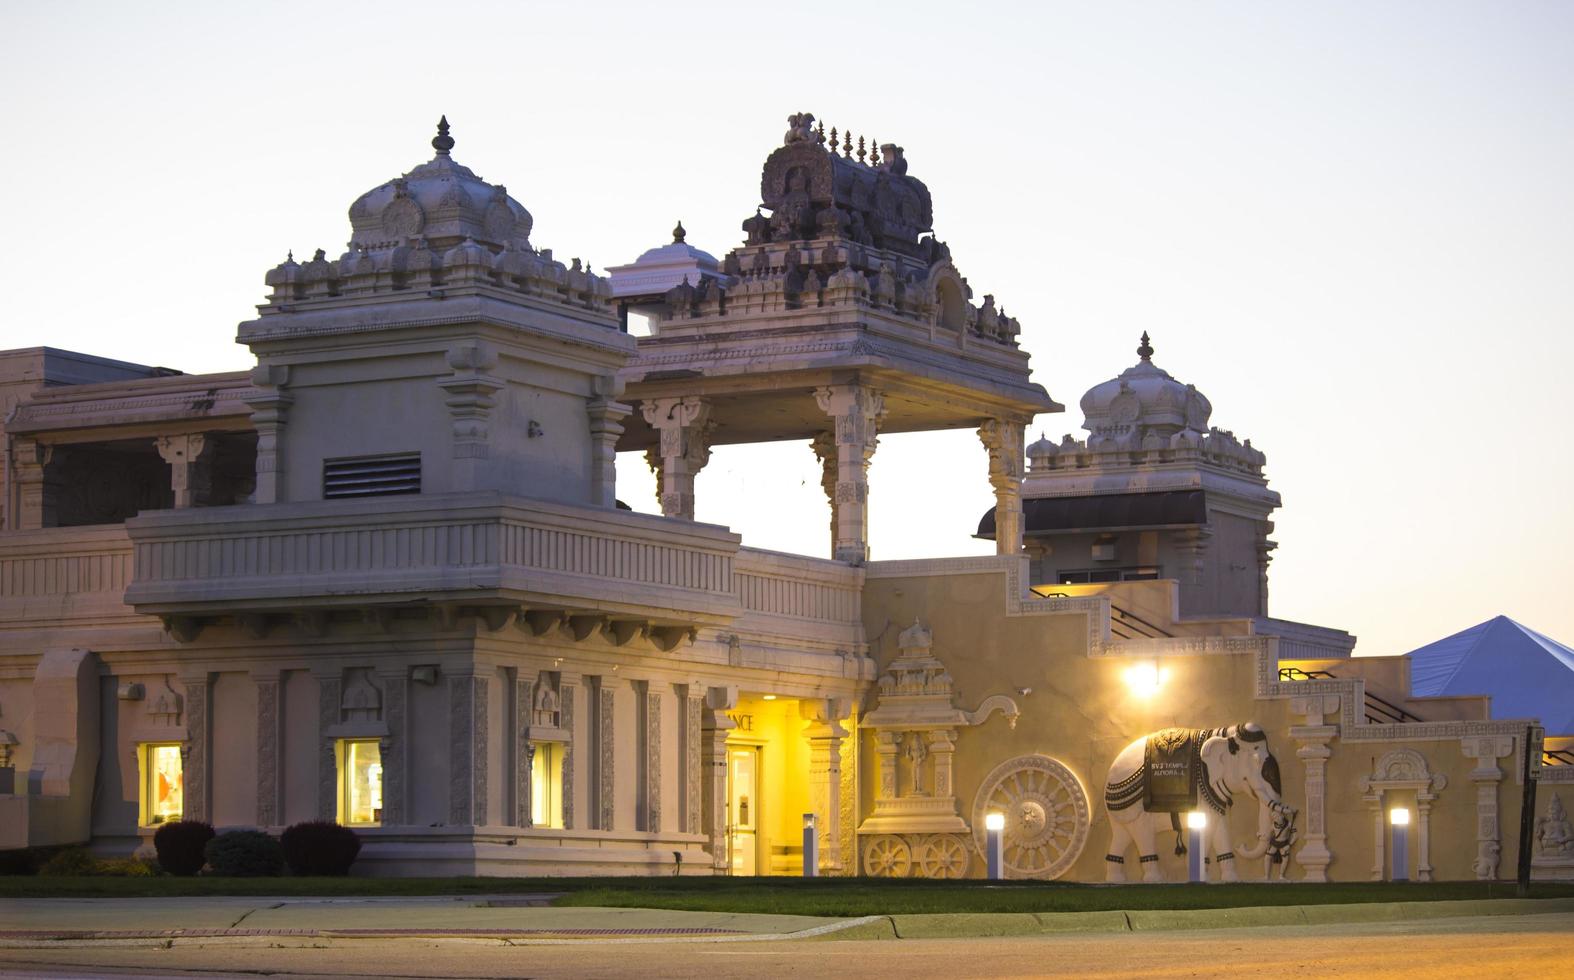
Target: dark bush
180,846
28,860
69,862
245,854
319,847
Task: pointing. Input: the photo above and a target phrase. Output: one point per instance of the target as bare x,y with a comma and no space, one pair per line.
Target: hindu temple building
382,575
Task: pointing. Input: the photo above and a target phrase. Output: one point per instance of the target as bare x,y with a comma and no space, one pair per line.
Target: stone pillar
606,425
1313,855
1486,750
469,398
395,684
652,760
468,692
606,759
1003,439
692,697
566,691
330,692
33,503
268,737
269,405
714,727
685,426
182,453
1265,550
195,753
524,749
886,745
825,734
856,411
1192,543
824,446
942,746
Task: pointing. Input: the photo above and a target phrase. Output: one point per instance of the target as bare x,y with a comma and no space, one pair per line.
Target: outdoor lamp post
994,846
1399,817
811,847
1196,822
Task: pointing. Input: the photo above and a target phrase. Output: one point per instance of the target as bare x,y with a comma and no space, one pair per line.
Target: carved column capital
182,452
685,428
856,411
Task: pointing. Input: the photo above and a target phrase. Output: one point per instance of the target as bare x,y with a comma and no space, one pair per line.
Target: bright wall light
995,820
1196,820
1144,679
1399,817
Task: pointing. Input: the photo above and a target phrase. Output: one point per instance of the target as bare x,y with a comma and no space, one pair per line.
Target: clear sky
1350,224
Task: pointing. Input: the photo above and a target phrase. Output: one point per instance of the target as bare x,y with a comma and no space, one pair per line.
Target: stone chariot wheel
1046,813
888,857
944,856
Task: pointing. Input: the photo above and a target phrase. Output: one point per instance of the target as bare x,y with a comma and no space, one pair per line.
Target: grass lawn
824,896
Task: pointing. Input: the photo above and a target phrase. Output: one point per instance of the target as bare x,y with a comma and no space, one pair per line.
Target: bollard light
811,848
994,845
1196,823
1399,817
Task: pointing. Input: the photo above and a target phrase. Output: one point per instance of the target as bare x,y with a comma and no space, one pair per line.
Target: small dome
1043,447
442,201
664,267
1143,400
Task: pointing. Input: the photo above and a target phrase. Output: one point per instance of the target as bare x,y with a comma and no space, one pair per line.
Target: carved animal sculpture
1162,775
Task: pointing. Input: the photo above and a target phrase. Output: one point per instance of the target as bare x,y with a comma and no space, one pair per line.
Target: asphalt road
1497,946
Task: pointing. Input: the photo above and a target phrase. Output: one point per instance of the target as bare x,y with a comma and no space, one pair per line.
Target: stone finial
861,153
678,233
847,143
874,152
1146,350
833,139
442,142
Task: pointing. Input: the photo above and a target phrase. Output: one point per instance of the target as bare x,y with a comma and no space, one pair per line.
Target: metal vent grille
371,476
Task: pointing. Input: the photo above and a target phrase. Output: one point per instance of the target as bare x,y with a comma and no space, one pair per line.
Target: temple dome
1143,400
441,201
664,267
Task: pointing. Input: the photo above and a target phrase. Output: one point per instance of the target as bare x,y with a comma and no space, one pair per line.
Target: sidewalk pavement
528,920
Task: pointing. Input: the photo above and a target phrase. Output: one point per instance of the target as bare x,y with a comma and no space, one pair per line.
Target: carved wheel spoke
888,857
944,856
1046,811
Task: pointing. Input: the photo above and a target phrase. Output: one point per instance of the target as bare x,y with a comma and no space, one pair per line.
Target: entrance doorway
743,808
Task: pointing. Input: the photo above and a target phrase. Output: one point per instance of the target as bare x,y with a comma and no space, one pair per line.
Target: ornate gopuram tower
1153,492
841,317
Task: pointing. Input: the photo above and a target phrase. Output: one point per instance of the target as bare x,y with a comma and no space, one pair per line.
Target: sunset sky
1351,225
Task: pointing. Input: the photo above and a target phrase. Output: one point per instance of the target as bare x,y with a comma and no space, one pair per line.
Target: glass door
743,809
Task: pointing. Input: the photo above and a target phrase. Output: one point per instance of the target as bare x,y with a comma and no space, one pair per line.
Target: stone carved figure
1554,835
1170,772
916,754
800,128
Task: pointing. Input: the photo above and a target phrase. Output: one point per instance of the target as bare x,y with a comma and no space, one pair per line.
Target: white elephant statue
1171,772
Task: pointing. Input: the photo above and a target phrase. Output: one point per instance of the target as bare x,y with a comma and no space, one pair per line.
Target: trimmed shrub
180,846
320,847
245,854
124,868
70,862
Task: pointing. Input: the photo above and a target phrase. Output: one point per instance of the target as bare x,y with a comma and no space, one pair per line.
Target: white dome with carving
1143,404
441,201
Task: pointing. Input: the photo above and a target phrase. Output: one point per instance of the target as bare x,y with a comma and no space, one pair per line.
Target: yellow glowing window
546,785
163,784
360,782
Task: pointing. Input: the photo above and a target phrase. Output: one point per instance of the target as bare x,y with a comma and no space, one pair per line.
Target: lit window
163,784
546,785
360,782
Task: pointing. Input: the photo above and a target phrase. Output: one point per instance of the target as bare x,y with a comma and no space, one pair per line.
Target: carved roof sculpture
1145,416
916,690
437,226
839,280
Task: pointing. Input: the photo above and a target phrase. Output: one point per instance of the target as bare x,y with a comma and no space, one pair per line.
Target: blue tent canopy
1528,675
